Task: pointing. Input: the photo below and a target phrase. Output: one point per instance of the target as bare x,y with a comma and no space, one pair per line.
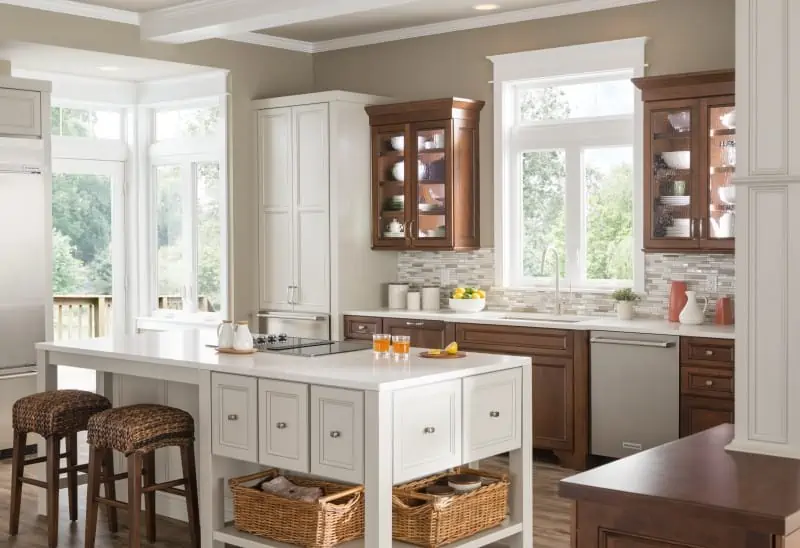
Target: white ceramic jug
242,339
692,314
225,334
725,227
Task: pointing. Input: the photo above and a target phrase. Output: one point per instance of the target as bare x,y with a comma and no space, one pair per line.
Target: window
84,122
188,198
568,162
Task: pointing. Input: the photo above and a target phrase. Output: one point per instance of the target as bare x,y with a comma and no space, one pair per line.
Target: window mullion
574,217
188,230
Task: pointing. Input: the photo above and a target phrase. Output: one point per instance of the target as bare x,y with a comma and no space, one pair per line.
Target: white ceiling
416,13
138,6
43,58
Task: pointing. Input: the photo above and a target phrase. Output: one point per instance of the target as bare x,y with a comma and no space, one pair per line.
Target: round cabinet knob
233,417
336,434
494,414
709,383
280,425
429,430
709,352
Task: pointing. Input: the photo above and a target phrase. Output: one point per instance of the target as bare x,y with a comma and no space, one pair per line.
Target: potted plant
625,299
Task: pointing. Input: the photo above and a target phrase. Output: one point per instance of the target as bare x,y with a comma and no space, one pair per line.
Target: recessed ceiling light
486,7
108,68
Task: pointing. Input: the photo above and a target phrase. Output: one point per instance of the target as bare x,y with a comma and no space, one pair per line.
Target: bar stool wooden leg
149,461
17,468
134,500
53,465
192,509
93,491
110,489
72,476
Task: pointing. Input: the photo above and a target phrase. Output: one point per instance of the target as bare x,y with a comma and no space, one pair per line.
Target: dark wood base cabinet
423,333
706,384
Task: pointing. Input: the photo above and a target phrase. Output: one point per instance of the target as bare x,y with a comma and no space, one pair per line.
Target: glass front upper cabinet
391,184
721,198
430,220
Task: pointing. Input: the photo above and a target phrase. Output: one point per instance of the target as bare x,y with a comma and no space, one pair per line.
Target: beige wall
685,35
5,68
255,72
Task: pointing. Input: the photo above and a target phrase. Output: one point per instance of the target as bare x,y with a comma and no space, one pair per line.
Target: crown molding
69,7
542,12
272,41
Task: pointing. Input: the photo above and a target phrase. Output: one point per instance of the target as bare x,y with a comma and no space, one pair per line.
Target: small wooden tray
443,355
234,351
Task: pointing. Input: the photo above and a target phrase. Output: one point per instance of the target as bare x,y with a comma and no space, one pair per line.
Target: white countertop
584,323
356,370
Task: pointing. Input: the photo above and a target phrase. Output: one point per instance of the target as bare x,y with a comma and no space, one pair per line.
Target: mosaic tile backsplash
711,275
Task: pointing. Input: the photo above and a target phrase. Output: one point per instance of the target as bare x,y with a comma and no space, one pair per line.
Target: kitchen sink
533,317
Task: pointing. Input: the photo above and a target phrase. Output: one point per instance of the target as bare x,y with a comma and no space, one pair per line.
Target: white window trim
513,68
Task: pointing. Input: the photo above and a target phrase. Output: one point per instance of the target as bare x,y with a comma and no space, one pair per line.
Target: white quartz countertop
356,370
585,323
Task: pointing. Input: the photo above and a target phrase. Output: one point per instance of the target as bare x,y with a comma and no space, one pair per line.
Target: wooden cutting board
443,355
234,351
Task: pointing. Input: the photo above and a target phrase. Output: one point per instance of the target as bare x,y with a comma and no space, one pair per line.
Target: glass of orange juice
401,346
380,345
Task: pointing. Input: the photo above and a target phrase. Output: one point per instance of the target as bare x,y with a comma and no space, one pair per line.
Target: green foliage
82,212
625,294
69,273
609,224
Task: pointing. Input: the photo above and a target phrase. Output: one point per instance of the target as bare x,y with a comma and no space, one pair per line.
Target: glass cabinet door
721,197
672,175
430,170
391,185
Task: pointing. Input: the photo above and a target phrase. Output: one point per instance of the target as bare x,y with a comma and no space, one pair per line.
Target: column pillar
768,228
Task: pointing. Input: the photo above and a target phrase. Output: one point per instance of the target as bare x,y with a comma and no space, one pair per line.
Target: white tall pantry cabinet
314,242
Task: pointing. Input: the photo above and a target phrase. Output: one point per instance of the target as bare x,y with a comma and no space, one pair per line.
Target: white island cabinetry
345,417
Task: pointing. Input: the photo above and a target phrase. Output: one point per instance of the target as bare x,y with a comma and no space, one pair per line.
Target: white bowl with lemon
468,300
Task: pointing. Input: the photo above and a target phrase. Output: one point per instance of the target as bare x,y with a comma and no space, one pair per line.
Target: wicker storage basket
337,517
425,520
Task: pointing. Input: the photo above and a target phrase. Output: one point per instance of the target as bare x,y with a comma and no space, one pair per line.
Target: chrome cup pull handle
233,417
280,425
336,434
494,414
429,430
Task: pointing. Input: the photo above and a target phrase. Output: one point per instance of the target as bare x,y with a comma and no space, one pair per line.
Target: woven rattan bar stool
137,431
56,415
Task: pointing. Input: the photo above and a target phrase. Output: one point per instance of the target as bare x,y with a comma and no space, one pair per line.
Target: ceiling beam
204,19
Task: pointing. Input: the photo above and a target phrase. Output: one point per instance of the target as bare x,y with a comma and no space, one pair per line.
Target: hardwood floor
551,516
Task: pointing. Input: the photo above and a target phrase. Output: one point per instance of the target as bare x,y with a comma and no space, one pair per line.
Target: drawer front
423,333
234,404
337,433
710,352
698,414
283,425
514,340
20,112
427,437
492,405
700,381
361,327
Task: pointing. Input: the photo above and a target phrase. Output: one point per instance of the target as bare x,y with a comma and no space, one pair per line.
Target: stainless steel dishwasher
635,391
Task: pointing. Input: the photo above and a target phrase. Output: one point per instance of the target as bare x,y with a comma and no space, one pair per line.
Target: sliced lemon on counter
434,351
452,348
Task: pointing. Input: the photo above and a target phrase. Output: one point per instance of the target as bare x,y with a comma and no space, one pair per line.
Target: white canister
397,295
242,338
413,300
225,334
431,297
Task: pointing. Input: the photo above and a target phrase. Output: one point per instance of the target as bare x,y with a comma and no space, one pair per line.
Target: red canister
724,311
677,300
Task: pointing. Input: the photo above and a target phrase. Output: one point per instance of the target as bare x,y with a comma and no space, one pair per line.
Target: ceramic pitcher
225,334
242,339
692,314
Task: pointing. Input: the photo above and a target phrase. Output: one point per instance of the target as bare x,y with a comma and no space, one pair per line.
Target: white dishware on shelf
724,228
422,169
399,171
676,201
680,121
727,194
728,120
242,339
225,334
692,314
678,159
394,234
398,142
469,306
395,227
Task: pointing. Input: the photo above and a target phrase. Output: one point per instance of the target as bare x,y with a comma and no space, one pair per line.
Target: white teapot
242,338
225,333
724,228
395,227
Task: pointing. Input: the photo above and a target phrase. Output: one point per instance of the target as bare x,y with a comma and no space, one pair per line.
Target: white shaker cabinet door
234,412
276,176
312,215
492,421
283,425
427,429
337,433
20,113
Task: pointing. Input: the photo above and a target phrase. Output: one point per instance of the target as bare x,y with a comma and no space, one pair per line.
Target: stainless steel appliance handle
289,294
11,376
651,344
291,316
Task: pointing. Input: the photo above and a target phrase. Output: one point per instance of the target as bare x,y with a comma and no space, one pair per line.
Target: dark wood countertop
697,474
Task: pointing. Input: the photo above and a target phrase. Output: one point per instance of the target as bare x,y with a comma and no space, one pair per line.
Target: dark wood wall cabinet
425,175
689,160
706,384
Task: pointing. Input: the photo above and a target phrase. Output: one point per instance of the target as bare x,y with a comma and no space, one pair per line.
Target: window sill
566,289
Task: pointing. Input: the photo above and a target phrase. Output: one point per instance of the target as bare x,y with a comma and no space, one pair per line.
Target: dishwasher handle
626,342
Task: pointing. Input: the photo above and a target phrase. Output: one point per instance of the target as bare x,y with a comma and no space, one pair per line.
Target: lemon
434,351
476,296
452,348
482,293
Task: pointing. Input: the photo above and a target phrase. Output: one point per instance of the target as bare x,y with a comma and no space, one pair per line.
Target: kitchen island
374,410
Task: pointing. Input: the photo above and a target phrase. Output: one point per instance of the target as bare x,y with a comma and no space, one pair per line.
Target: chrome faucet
557,276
